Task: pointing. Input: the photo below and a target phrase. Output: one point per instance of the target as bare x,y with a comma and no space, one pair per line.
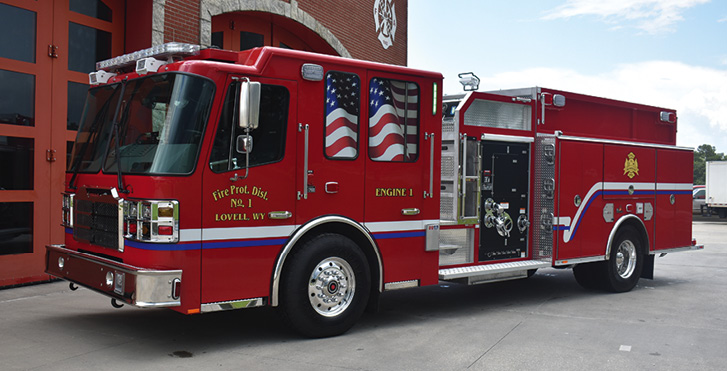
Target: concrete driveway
676,322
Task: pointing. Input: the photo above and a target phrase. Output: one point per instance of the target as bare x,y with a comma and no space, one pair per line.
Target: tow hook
116,304
72,286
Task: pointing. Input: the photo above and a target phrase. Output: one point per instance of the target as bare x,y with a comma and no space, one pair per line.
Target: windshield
161,122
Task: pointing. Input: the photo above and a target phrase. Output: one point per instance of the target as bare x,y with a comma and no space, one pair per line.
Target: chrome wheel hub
331,287
626,259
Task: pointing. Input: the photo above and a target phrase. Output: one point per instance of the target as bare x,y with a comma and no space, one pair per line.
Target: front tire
626,261
325,286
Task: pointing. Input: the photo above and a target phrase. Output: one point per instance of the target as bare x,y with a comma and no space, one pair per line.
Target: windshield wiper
117,156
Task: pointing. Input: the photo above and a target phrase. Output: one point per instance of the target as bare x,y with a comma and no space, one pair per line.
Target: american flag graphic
342,109
393,120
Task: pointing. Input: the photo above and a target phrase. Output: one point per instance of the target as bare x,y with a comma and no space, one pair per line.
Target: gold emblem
631,166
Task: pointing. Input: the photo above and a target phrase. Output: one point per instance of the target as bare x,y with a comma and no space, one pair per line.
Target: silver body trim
401,285
624,142
152,288
232,304
590,259
677,249
477,270
507,138
275,291
618,224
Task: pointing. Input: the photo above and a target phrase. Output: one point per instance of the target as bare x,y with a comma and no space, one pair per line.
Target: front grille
98,217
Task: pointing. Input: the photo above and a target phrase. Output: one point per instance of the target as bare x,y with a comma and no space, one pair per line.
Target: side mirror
243,144
249,105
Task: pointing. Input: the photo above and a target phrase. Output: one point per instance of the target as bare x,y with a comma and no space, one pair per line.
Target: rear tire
325,286
626,261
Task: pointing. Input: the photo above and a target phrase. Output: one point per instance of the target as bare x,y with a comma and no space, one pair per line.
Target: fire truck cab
207,180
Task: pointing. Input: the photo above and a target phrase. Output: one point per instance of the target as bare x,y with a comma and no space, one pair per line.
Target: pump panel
504,221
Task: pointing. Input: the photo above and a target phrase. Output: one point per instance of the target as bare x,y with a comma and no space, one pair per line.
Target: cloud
651,16
698,94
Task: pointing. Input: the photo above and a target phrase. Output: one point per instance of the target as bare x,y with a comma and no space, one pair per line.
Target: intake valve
497,217
522,223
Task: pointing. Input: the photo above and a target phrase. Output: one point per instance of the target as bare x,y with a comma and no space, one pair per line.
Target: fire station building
47,49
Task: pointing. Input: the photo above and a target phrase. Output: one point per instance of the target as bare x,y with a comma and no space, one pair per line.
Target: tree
704,153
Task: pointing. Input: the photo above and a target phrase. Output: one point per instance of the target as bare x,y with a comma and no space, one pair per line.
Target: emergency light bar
164,51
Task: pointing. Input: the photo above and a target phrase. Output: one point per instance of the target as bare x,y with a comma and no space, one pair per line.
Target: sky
664,53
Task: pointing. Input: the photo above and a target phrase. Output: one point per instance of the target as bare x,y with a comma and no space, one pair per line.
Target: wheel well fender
330,224
636,223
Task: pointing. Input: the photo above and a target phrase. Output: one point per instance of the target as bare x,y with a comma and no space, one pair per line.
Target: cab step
491,272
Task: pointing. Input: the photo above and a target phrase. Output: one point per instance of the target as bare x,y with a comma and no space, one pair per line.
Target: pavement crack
494,345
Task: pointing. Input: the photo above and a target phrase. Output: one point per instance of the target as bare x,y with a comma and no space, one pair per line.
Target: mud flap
648,270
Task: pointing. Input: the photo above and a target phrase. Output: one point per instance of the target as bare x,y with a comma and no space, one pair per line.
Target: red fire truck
205,180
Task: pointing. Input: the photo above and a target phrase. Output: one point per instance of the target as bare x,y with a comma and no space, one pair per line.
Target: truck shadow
164,333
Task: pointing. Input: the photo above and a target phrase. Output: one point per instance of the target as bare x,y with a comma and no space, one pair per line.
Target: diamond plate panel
544,201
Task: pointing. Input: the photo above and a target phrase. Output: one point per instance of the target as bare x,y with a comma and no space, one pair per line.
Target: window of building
249,40
393,120
17,105
343,92
17,33
268,140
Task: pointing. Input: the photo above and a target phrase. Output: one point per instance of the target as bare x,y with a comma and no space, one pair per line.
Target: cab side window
342,115
393,120
268,140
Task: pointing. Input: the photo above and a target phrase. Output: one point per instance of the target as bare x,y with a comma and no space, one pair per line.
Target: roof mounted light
469,81
165,51
99,77
669,117
146,65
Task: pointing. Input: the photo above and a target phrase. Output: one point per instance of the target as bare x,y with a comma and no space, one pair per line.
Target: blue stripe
386,236
163,246
248,243
668,192
619,193
593,197
561,227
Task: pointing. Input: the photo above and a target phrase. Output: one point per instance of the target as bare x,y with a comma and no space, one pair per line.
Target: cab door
248,198
330,165
397,174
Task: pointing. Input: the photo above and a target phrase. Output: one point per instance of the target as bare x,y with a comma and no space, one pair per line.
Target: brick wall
181,21
352,22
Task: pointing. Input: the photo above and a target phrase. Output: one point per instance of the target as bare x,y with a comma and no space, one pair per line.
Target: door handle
280,215
410,211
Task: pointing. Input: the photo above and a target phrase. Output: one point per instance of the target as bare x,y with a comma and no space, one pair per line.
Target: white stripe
619,186
190,235
674,186
624,186
216,234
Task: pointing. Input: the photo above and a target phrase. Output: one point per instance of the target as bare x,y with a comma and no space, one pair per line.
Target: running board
491,272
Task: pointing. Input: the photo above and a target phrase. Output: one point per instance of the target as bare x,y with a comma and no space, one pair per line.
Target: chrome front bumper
136,286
